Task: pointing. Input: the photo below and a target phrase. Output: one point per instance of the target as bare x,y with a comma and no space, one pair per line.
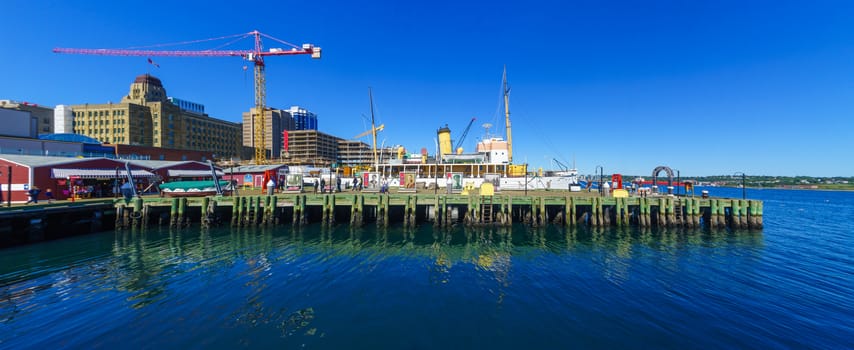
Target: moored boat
195,188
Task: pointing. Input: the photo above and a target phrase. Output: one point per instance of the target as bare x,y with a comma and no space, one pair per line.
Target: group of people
320,185
357,184
34,192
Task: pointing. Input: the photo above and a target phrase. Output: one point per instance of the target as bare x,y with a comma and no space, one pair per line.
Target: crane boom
179,53
256,56
369,132
465,133
562,166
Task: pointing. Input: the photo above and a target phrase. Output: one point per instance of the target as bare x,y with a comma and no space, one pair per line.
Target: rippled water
788,286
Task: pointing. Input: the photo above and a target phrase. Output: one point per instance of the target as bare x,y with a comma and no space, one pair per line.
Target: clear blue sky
706,87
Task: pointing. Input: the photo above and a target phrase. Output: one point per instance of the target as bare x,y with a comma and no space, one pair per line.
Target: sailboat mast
507,116
373,129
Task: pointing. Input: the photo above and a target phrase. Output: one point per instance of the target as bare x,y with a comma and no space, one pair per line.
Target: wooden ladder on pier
486,209
677,211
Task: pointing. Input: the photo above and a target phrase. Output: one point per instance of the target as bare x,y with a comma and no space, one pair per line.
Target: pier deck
21,224
555,207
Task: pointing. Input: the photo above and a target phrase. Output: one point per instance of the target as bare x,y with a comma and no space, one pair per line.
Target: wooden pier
442,210
23,224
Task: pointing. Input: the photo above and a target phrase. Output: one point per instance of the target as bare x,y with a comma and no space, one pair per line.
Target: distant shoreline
849,189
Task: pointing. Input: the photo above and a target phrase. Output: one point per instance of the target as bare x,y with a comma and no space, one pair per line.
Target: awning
96,173
190,173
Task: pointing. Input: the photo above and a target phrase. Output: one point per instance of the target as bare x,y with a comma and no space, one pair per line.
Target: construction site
271,135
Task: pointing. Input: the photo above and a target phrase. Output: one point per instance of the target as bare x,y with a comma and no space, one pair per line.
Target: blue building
303,118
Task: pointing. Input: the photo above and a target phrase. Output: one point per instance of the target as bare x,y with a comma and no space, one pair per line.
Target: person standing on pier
322,185
338,184
271,187
49,195
34,195
127,190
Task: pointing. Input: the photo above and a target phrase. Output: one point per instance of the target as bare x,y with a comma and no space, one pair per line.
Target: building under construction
310,147
314,148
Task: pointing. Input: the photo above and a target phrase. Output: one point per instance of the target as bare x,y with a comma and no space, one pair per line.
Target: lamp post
743,185
436,175
601,176
526,179
678,182
116,188
436,170
382,151
8,187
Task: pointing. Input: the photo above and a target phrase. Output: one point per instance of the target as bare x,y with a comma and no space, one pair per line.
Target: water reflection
521,287
278,276
148,264
140,257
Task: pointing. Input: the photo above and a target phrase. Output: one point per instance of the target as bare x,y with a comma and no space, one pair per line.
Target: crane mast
256,56
507,116
373,129
260,117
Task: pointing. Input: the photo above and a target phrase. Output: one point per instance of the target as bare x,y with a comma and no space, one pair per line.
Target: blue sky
716,87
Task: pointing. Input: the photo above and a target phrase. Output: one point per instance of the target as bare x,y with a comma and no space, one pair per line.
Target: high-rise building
303,118
146,117
276,122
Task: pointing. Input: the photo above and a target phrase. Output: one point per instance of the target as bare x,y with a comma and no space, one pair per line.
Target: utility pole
743,185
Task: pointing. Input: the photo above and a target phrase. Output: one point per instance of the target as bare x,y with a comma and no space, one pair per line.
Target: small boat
195,188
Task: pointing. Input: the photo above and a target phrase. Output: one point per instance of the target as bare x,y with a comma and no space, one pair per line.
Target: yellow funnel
445,141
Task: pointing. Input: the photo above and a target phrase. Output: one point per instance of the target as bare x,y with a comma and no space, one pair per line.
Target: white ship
492,161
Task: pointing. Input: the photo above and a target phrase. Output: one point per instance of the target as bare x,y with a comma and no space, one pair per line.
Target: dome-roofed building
146,117
146,88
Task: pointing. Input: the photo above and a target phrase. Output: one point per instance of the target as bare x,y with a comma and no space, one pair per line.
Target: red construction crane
256,56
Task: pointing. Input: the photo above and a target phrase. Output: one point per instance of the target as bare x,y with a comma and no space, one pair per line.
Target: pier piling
444,209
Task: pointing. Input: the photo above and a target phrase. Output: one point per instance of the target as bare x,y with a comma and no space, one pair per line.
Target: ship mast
373,129
507,116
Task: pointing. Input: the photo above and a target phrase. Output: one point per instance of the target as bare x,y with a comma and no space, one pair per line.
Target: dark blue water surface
790,285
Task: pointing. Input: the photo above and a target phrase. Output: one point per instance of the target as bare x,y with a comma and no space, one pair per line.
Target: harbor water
790,285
